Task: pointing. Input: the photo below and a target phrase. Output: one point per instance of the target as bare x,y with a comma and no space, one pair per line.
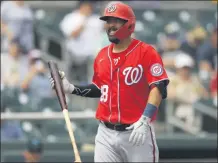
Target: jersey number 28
104,93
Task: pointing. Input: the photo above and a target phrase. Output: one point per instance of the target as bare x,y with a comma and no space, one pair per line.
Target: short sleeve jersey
125,79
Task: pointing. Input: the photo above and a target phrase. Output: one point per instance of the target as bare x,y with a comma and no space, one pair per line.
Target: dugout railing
205,117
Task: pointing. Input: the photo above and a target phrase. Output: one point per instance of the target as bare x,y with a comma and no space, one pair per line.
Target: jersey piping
118,85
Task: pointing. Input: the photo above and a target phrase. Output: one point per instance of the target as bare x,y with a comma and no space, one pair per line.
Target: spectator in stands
13,65
208,57
17,23
34,151
36,82
10,130
193,41
81,29
170,51
185,88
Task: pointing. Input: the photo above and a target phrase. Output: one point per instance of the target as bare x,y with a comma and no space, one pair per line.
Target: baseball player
130,81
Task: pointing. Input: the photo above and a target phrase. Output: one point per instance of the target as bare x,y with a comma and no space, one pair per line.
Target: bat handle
72,138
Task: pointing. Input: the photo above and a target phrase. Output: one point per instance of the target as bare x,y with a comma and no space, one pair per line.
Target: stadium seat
53,17
59,146
30,128
55,130
87,156
90,127
16,101
47,156
206,17
12,157
59,156
7,146
11,100
49,103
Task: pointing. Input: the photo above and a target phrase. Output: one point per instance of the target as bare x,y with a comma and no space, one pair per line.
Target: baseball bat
62,100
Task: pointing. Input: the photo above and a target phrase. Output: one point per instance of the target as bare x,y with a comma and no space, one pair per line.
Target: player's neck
122,46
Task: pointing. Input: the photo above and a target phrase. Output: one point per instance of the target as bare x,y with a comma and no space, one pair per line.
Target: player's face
111,26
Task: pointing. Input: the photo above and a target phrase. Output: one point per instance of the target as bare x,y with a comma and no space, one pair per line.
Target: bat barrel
58,83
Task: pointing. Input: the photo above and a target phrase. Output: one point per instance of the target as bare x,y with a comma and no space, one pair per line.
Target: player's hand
139,131
67,86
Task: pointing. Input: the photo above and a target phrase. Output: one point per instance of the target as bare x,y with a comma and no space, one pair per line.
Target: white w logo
134,73
116,60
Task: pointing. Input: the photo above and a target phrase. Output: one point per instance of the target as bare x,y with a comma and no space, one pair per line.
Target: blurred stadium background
33,32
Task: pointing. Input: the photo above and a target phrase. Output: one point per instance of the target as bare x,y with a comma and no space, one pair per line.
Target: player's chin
113,39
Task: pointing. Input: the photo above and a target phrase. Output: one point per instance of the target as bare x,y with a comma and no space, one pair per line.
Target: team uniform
124,82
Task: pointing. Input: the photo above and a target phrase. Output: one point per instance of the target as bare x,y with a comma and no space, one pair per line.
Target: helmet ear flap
126,30
131,25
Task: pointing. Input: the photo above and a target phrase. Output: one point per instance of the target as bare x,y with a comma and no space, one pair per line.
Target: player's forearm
153,103
155,97
90,90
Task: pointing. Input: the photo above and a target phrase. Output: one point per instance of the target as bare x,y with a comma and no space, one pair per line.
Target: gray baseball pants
114,146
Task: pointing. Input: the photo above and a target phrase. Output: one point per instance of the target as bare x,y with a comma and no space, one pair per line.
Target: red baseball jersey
124,79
